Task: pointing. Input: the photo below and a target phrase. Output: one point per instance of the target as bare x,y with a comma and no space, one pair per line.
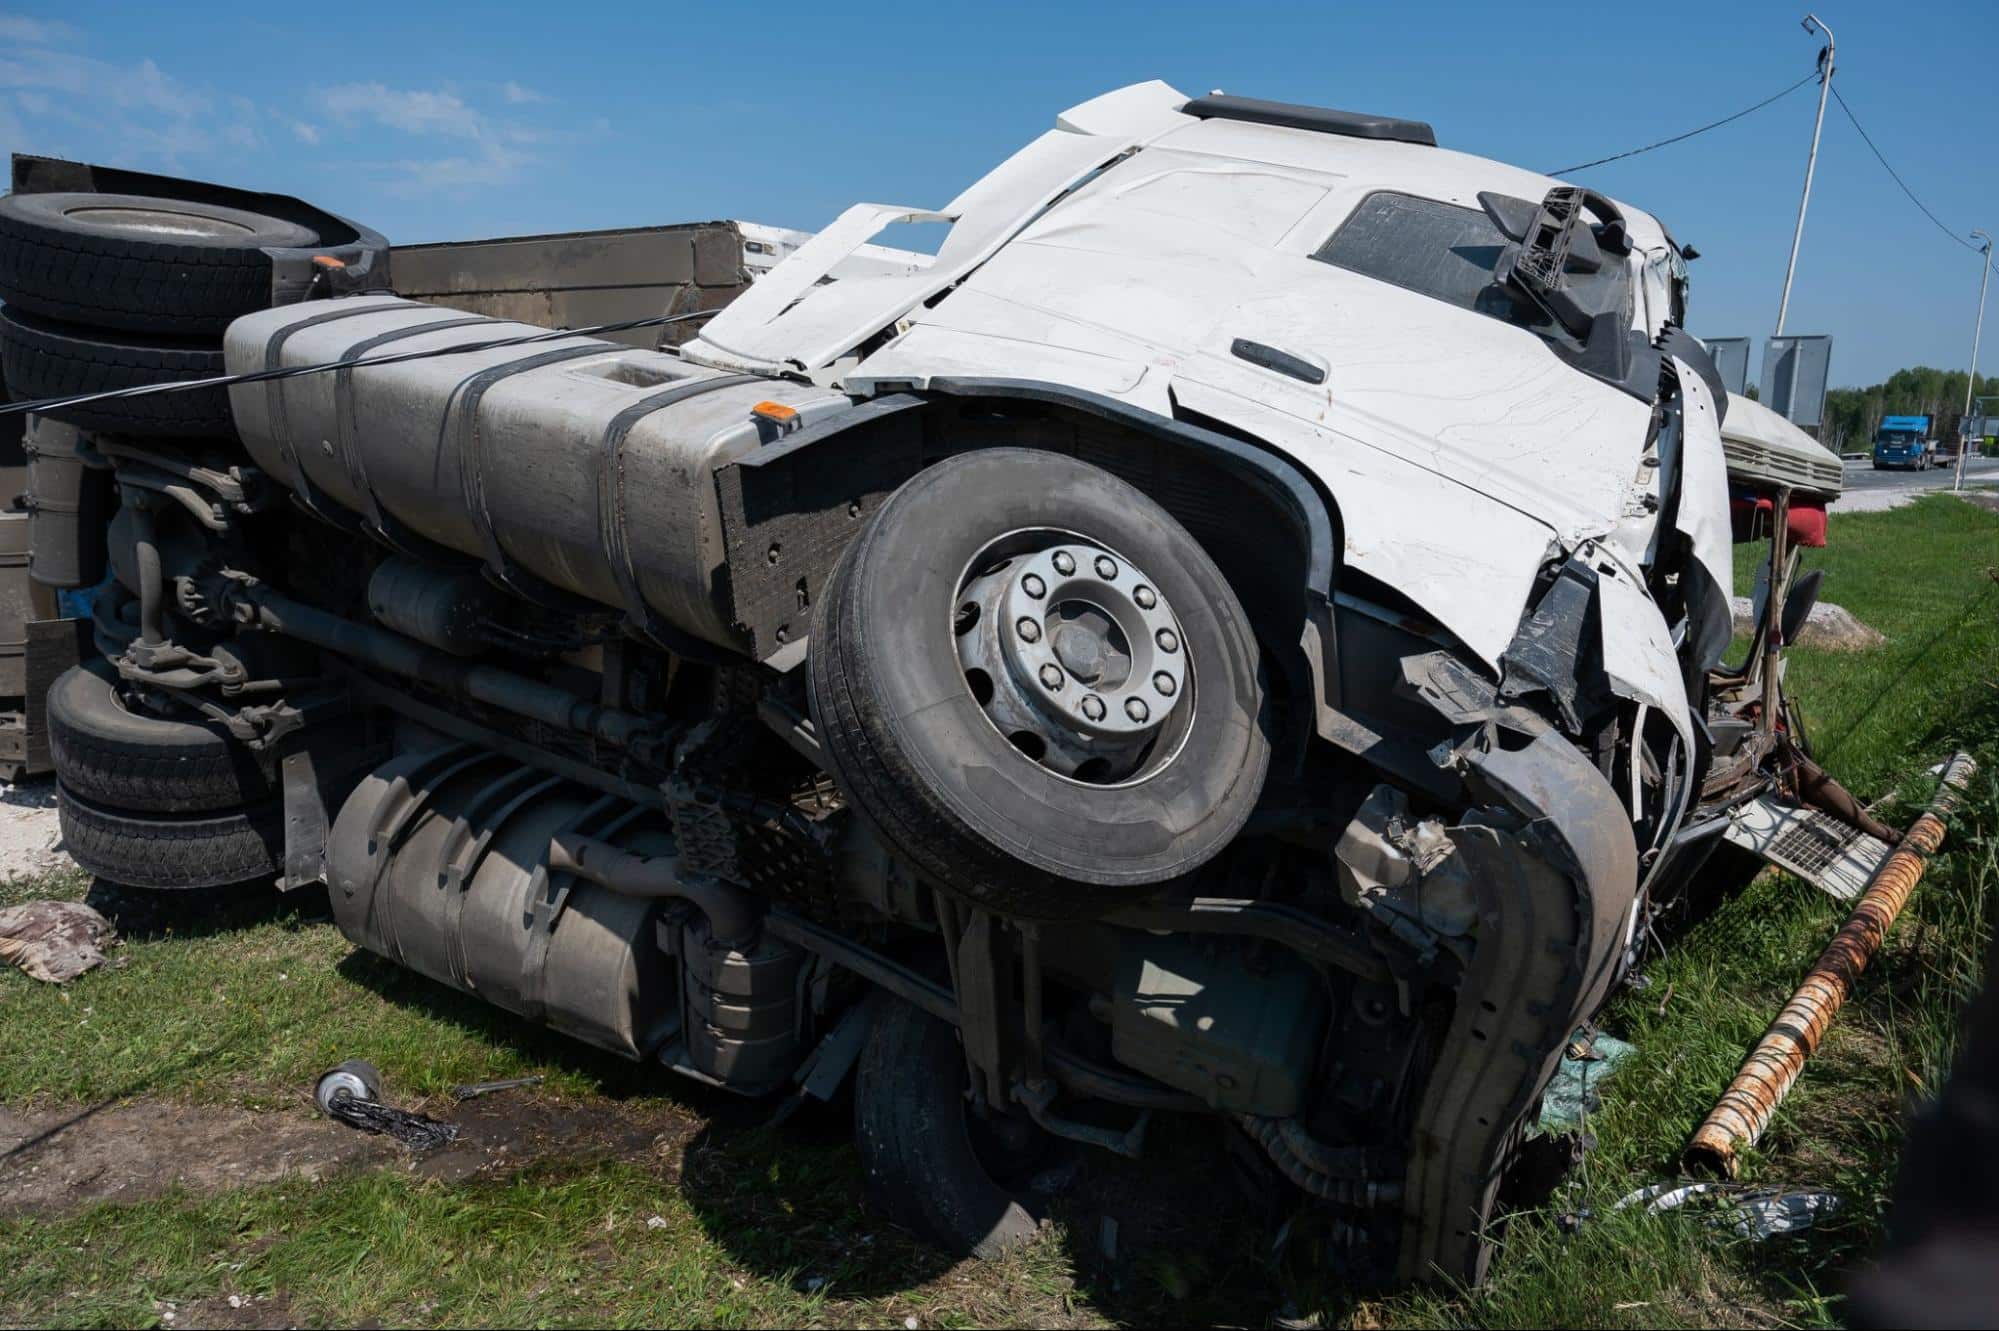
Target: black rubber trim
1281,362
1318,119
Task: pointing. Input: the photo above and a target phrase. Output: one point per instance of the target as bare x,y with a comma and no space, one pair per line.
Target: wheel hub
1074,655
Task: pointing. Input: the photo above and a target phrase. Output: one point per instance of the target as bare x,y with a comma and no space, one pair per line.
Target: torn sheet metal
1702,513
1837,859
1752,1213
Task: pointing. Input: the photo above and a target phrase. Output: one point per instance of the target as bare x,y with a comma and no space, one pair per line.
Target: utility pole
1811,24
1971,384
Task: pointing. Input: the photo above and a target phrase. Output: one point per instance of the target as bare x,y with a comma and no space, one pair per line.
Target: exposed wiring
1896,176
296,371
1678,138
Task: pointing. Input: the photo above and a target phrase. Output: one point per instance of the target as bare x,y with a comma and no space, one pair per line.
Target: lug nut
1106,567
1168,640
1136,709
1028,630
1146,600
1164,683
1034,586
1051,678
1093,707
1065,563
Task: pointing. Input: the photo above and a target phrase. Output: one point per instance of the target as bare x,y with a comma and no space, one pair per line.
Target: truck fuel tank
571,467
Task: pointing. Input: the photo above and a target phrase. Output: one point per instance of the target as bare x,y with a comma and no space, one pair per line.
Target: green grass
762,1227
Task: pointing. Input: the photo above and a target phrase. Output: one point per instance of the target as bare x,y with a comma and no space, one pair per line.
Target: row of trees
1853,414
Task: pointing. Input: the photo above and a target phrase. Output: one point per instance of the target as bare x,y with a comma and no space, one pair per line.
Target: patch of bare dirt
58,1160
30,835
61,1159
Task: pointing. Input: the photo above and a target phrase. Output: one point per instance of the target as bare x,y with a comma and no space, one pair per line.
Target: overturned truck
1237,631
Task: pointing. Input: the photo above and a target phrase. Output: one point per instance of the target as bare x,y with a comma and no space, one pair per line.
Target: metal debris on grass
1751,1212
54,941
477,1089
351,1093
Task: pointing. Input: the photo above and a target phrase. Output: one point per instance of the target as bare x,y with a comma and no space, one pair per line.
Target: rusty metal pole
1746,1107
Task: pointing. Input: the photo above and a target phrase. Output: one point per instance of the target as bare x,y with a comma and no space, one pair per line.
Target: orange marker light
328,261
776,413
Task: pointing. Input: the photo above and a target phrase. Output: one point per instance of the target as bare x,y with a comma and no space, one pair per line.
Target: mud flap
1553,892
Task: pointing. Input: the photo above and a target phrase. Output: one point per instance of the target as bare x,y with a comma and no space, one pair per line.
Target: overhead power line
295,371
1896,175
1679,138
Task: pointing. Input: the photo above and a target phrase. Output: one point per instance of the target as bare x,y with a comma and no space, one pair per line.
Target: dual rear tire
157,802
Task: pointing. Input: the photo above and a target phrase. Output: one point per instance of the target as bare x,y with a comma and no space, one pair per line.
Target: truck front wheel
919,1143
1038,686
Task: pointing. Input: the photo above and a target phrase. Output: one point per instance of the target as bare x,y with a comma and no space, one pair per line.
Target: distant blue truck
1905,442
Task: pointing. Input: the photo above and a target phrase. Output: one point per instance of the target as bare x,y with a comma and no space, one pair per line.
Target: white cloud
306,133
484,151
75,104
409,111
489,164
34,31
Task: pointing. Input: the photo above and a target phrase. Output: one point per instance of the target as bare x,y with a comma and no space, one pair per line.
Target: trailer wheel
168,852
145,264
1038,686
122,759
917,1141
42,358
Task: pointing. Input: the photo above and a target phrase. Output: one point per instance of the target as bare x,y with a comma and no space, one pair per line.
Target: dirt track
57,1160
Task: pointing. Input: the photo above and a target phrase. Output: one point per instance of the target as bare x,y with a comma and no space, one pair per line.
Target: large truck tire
122,759
143,264
1055,776
169,852
913,1129
42,358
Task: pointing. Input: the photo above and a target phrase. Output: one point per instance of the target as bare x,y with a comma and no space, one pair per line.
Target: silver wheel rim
337,1085
161,222
1075,656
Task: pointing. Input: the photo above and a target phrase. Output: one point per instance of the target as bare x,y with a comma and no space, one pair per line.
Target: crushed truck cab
1237,631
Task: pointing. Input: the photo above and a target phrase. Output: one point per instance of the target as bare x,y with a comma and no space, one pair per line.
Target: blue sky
445,122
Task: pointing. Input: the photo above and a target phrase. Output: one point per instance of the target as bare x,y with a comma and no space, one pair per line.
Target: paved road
1867,488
